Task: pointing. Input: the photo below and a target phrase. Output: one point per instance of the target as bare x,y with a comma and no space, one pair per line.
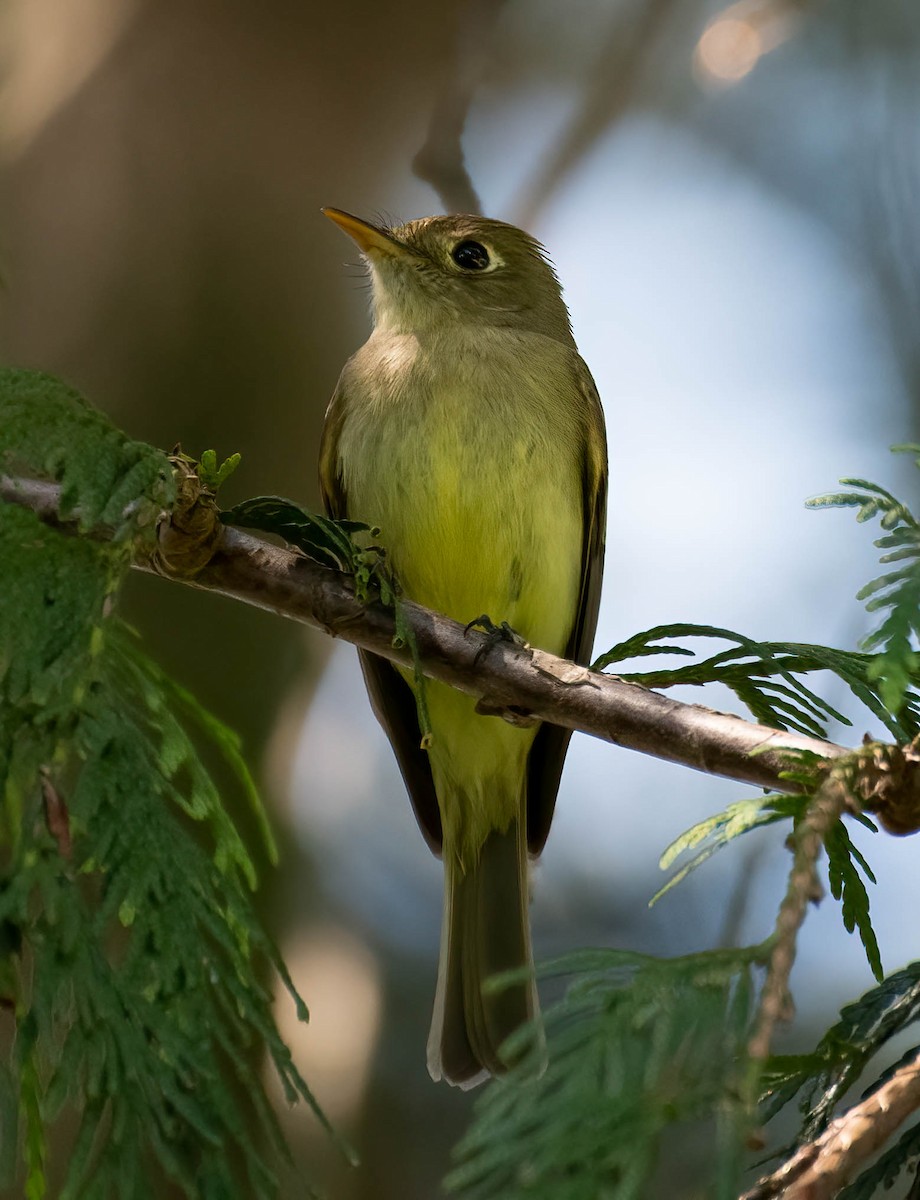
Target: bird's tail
485,931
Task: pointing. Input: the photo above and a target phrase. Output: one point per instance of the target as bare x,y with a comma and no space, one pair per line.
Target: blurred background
730,197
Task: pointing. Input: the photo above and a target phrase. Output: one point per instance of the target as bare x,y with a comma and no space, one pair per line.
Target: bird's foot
494,634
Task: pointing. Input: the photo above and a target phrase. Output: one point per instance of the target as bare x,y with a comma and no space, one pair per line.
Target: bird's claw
494,634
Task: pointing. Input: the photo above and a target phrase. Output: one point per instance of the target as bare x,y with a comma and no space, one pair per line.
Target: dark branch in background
819,1169
440,161
616,76
507,681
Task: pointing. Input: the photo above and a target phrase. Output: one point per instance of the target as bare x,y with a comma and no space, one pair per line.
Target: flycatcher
469,430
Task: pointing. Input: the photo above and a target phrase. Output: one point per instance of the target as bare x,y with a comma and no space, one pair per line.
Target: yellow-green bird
469,430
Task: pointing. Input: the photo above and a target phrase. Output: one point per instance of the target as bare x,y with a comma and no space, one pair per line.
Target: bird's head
441,270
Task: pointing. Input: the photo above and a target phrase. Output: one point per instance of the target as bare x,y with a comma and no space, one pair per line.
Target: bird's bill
369,238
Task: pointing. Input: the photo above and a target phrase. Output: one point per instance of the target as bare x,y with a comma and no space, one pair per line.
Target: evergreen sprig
768,677
703,839
330,543
847,867
847,872
822,1078
132,959
896,594
135,968
637,1046
106,478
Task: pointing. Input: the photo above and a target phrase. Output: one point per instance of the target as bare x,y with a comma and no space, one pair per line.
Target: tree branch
440,162
610,91
507,680
819,1169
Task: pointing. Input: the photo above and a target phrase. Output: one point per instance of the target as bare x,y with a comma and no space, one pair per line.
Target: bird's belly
480,521
475,526
479,505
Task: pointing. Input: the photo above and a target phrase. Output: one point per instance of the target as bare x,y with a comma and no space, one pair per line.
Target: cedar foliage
638,1048
133,964
133,961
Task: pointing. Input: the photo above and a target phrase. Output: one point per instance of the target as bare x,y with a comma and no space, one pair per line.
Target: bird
469,431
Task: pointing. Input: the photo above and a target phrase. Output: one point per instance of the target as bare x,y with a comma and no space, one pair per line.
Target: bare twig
804,887
440,161
819,1169
504,678
615,79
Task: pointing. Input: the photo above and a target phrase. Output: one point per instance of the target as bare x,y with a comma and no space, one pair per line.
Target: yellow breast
473,472
470,458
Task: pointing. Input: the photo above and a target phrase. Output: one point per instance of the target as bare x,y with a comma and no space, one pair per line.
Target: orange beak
369,238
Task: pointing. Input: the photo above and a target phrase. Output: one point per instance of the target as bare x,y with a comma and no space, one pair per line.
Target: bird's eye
471,256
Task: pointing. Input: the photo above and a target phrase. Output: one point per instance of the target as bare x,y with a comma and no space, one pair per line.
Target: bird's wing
391,697
547,755
331,484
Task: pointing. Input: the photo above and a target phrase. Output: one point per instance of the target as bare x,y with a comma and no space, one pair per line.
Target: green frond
214,475
825,1075
706,837
769,677
47,428
637,1046
823,1078
132,955
328,542
164,696
895,667
844,862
